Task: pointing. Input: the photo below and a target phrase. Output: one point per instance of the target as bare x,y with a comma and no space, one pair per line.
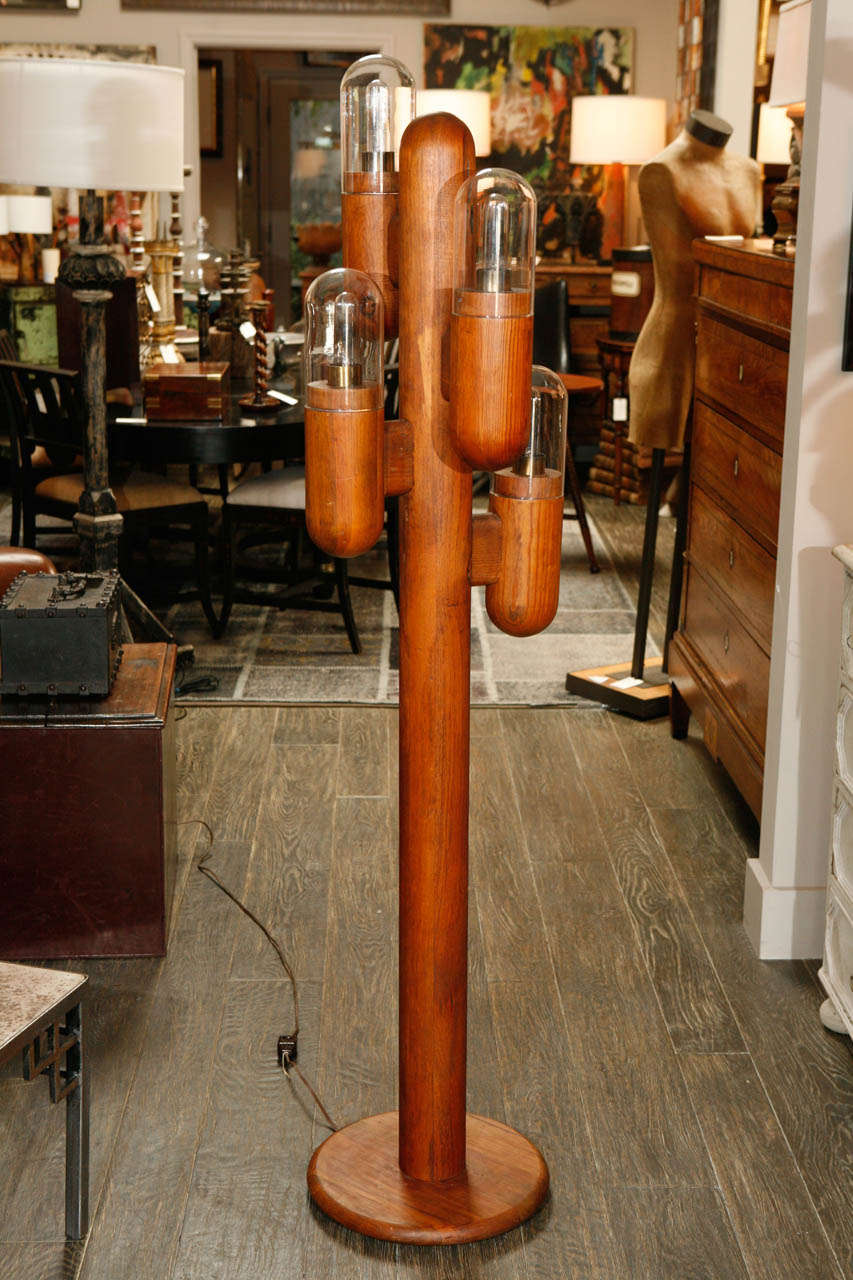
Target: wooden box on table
190,392
720,656
88,847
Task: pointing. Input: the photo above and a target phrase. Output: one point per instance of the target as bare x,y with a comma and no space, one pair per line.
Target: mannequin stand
638,689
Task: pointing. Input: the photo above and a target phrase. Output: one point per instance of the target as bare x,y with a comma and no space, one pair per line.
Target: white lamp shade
610,128
33,214
472,106
116,126
774,135
790,63
4,217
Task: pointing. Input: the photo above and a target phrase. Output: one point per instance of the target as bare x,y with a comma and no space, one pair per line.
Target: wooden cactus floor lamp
429,1173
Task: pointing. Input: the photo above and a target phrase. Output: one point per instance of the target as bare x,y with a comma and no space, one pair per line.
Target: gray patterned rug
269,656
272,656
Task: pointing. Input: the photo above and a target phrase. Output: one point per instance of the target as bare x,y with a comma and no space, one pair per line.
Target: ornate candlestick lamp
162,255
258,401
430,1173
94,126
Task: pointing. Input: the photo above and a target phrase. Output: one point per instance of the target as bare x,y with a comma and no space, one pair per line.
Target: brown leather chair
15,560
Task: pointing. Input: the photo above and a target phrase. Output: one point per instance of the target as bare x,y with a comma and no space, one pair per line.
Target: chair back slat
551,340
46,407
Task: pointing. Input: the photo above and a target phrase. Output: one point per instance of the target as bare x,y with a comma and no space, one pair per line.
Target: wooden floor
695,1115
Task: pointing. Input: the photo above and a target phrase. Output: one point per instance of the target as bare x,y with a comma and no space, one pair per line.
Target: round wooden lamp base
355,1178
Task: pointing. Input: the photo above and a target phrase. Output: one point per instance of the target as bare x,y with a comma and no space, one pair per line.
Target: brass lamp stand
430,1173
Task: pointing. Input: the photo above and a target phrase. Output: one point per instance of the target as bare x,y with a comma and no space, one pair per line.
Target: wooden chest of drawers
720,656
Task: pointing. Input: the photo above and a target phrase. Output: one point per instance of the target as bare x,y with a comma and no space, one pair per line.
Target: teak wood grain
370,244
490,361
523,598
399,463
487,534
435,609
344,472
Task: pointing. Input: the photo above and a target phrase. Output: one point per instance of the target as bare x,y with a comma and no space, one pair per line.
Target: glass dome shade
494,239
202,263
343,330
377,103
541,465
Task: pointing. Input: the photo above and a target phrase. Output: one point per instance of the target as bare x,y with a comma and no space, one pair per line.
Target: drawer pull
736,467
726,642
731,557
740,373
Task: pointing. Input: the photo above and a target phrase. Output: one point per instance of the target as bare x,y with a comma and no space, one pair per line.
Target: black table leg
76,1133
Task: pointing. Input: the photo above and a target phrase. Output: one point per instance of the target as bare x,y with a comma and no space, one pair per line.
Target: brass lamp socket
524,598
344,467
491,350
371,243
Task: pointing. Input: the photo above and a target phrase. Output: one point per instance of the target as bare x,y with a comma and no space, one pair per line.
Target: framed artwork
210,107
410,8
34,6
532,74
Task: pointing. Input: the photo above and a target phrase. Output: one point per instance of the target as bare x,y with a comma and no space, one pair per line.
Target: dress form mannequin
693,188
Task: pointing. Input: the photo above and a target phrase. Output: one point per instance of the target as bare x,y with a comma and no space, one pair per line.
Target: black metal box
60,634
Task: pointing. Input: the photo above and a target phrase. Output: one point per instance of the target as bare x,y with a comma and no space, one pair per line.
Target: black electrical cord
288,1053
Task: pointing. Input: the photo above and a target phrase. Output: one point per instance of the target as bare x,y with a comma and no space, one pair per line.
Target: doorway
278,166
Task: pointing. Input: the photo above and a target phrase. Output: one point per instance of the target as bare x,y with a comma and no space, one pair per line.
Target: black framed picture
210,107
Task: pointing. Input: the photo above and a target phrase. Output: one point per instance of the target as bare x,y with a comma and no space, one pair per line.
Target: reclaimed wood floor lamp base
430,1173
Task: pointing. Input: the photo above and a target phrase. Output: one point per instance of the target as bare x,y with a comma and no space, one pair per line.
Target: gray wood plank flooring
696,1117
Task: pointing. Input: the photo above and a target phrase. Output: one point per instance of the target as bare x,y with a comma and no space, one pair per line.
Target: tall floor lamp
95,126
451,251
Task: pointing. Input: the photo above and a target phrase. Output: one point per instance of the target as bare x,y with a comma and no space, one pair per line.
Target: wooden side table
88,851
41,1017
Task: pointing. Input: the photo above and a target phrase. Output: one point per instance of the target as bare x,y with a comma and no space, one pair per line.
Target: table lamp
472,106
92,125
616,129
788,89
28,216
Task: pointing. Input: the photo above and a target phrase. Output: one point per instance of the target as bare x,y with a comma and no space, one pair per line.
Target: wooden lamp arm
399,457
486,546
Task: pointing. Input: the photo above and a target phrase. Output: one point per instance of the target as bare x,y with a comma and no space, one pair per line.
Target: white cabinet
836,973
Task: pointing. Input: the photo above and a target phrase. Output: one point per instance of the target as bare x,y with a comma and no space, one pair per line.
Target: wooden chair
552,348
45,408
269,504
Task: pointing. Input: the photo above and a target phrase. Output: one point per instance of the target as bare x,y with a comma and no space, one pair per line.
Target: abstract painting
532,74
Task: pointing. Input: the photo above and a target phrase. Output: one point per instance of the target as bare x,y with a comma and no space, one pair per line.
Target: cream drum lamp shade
774,135
4,217
69,122
616,128
30,214
790,64
472,106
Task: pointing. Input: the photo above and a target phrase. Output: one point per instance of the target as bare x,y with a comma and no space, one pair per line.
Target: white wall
177,34
736,36
784,899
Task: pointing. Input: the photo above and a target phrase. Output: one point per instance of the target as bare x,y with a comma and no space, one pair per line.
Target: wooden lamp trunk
430,1173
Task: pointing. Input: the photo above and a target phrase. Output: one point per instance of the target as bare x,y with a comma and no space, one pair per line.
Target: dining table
236,438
